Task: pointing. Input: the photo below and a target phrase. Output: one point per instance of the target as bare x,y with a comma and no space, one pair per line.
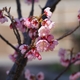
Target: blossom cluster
65,58
39,30
29,76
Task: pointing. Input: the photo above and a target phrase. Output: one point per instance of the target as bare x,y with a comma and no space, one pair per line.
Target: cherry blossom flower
78,15
64,62
27,22
40,76
48,23
74,76
2,18
33,33
77,57
43,31
19,24
62,52
32,54
47,12
64,59
46,43
23,48
42,45
31,22
14,55
52,44
34,23
30,1
29,76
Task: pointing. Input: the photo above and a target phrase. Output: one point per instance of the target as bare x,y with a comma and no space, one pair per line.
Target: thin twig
16,32
8,42
65,69
69,33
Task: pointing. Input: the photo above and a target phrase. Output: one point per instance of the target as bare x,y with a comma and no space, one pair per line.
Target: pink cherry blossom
2,18
74,76
30,1
64,62
34,23
62,52
33,54
47,12
42,45
31,22
23,48
43,31
19,24
33,33
52,45
27,22
40,76
77,57
29,76
48,23
14,55
64,59
78,15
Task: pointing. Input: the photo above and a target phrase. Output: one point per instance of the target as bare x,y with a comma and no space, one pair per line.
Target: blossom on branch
78,15
74,76
47,12
30,1
46,43
19,24
29,76
2,17
23,48
14,55
33,54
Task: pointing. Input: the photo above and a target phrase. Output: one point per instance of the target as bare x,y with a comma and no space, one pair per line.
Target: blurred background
65,18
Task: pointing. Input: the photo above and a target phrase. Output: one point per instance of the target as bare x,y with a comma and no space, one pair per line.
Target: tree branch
69,33
7,42
19,9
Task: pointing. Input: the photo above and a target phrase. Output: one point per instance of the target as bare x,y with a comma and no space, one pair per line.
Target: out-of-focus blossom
23,48
78,15
29,76
47,12
30,1
64,60
7,72
19,24
40,76
14,55
74,76
2,18
62,52
77,57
